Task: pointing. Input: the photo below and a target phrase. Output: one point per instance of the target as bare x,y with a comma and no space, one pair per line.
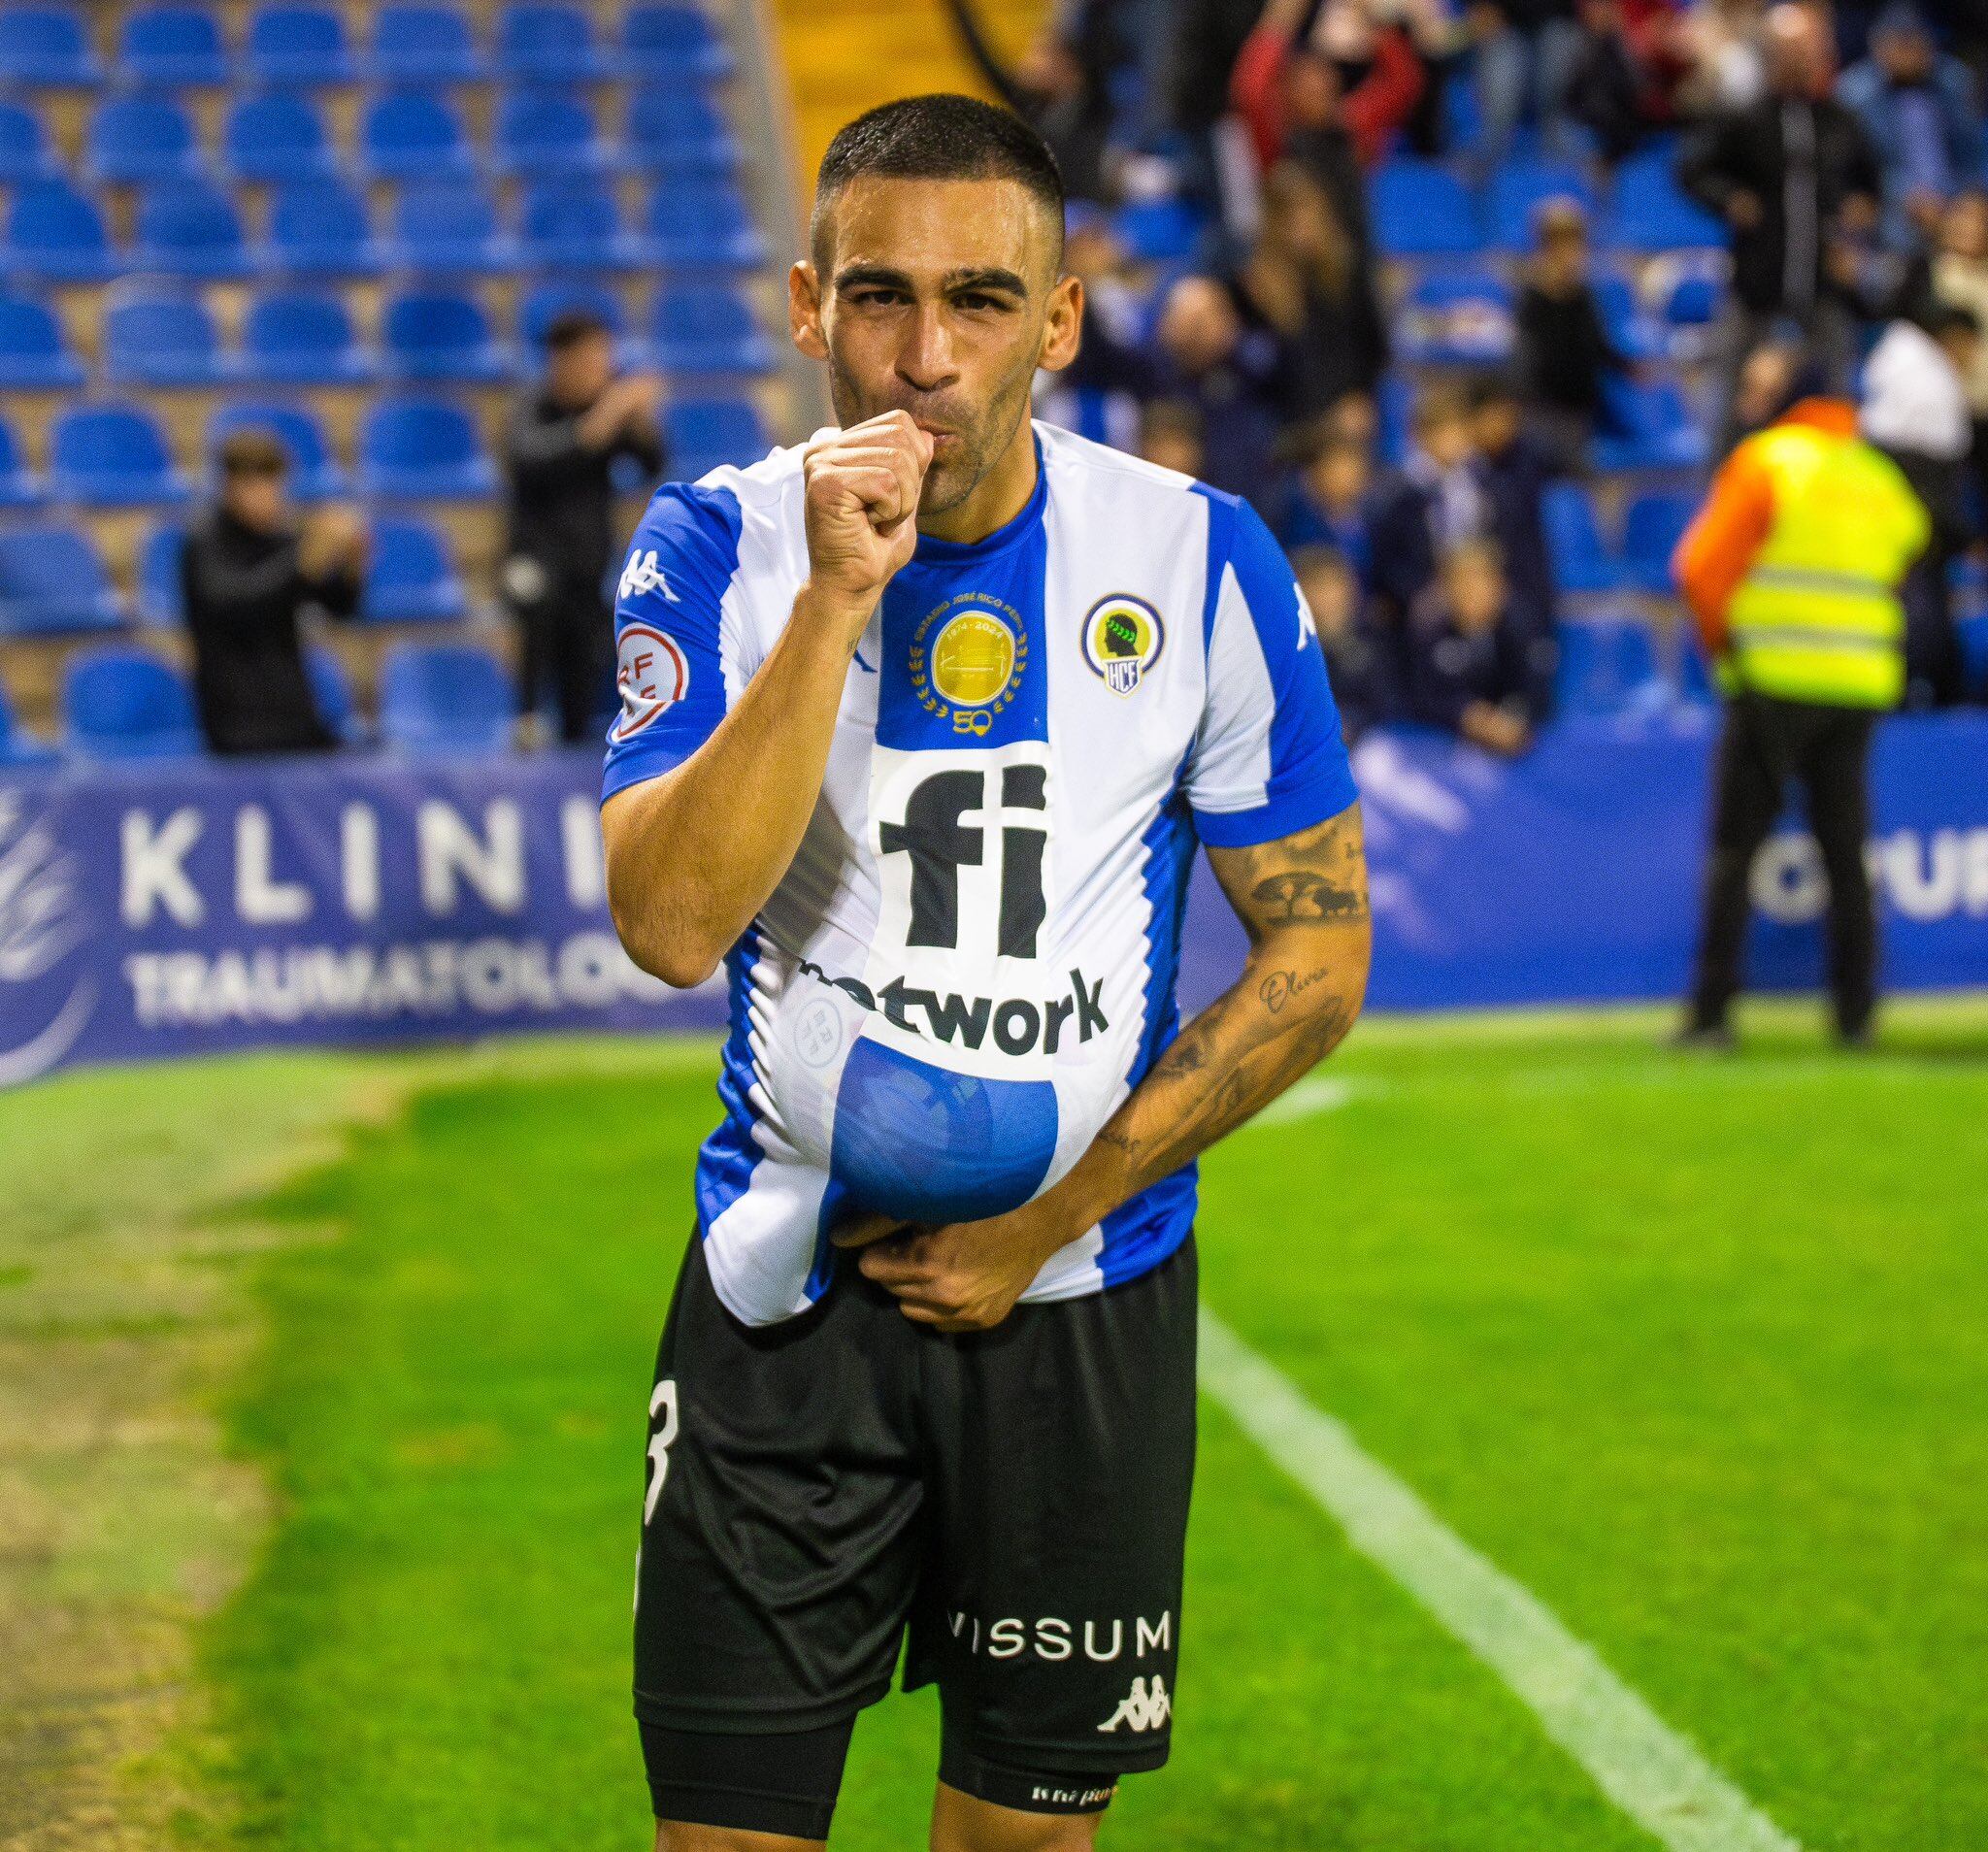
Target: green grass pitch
1696,1349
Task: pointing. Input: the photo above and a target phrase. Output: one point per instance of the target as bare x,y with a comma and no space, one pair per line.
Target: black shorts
1009,1505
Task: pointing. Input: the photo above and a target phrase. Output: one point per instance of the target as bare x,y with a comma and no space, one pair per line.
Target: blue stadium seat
672,43
576,225
46,47
331,689
52,582
57,234
1160,231
703,433
296,337
315,474
442,334
19,487
1622,314
425,44
164,338
1520,188
1420,209
677,131
1648,210
1650,425
111,455
539,305
300,44
278,136
191,228
1652,525
550,44
445,698
410,134
451,228
143,136
25,152
1694,683
1608,669
33,354
1583,564
708,328
125,703
158,602
322,228
417,449
1461,317
703,226
410,578
1694,300
18,748
542,131
173,46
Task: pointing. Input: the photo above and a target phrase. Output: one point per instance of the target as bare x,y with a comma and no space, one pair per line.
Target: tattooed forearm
1303,903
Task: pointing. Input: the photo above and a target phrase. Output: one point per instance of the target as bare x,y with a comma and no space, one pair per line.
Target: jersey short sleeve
669,669
1268,758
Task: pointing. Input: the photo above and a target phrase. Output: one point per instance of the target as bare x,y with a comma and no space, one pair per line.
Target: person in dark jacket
1566,354
1434,500
246,574
1355,661
1515,467
1796,179
1468,666
561,452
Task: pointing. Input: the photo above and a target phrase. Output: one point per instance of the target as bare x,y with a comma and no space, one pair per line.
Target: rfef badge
1122,638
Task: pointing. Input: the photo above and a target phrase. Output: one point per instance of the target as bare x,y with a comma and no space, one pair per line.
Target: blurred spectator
1098,395
1796,177
1315,66
1326,503
1565,352
1960,275
1062,83
1355,662
1915,410
1307,281
1234,376
1433,504
246,574
1516,467
1467,669
1526,53
1202,42
564,443
1920,110
1718,41
1607,92
1169,435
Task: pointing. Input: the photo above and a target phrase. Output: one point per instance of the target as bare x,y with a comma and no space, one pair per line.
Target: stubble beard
982,439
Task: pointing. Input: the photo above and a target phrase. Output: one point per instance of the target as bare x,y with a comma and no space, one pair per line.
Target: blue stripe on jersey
1221,538
821,1275
726,1160
1144,1229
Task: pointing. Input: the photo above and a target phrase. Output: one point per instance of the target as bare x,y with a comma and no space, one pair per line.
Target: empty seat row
49,46
411,449
323,227
1424,208
53,579
1586,564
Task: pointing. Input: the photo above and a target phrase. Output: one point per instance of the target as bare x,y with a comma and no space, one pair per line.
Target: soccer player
921,726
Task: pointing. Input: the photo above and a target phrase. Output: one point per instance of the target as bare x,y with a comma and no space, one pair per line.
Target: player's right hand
862,505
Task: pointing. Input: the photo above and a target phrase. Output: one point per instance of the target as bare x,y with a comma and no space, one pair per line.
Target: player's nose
926,361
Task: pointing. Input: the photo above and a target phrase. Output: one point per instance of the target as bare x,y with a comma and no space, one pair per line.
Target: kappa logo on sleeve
652,675
645,574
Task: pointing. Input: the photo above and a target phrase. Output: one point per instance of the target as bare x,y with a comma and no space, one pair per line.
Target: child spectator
1355,662
1468,666
1327,502
1433,502
1565,353
1516,466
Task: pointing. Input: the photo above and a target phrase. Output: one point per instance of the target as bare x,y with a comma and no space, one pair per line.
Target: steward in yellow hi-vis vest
1792,570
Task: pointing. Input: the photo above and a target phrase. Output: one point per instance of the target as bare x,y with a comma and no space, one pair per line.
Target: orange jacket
1719,545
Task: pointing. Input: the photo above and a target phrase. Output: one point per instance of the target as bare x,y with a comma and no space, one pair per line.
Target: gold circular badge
973,658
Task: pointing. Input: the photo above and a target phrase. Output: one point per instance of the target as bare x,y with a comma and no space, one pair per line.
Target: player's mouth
943,438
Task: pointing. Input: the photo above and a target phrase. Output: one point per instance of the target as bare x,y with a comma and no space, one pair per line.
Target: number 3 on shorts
662,1419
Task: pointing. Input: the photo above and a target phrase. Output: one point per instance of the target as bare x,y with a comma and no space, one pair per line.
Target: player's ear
1062,324
804,311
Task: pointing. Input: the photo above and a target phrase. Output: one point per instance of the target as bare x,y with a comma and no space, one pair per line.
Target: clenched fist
862,509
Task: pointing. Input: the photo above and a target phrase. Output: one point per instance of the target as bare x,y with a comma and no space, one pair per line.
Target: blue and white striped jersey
971,961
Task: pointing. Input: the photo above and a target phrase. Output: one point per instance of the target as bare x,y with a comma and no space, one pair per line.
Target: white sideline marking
1315,1093
1650,1771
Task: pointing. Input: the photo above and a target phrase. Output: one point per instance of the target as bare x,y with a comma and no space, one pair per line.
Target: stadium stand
113,455
125,703
34,352
24,151
164,338
444,698
52,582
173,46
410,578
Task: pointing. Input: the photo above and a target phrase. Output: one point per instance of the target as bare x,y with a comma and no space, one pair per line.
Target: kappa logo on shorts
652,675
1142,1708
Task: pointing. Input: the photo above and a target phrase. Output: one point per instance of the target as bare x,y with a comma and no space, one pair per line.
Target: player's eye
876,298
975,302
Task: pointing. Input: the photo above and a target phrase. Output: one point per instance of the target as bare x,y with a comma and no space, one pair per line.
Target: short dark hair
254,450
938,137
571,326
1951,317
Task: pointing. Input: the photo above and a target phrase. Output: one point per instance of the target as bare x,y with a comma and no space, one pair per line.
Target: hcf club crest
1122,637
